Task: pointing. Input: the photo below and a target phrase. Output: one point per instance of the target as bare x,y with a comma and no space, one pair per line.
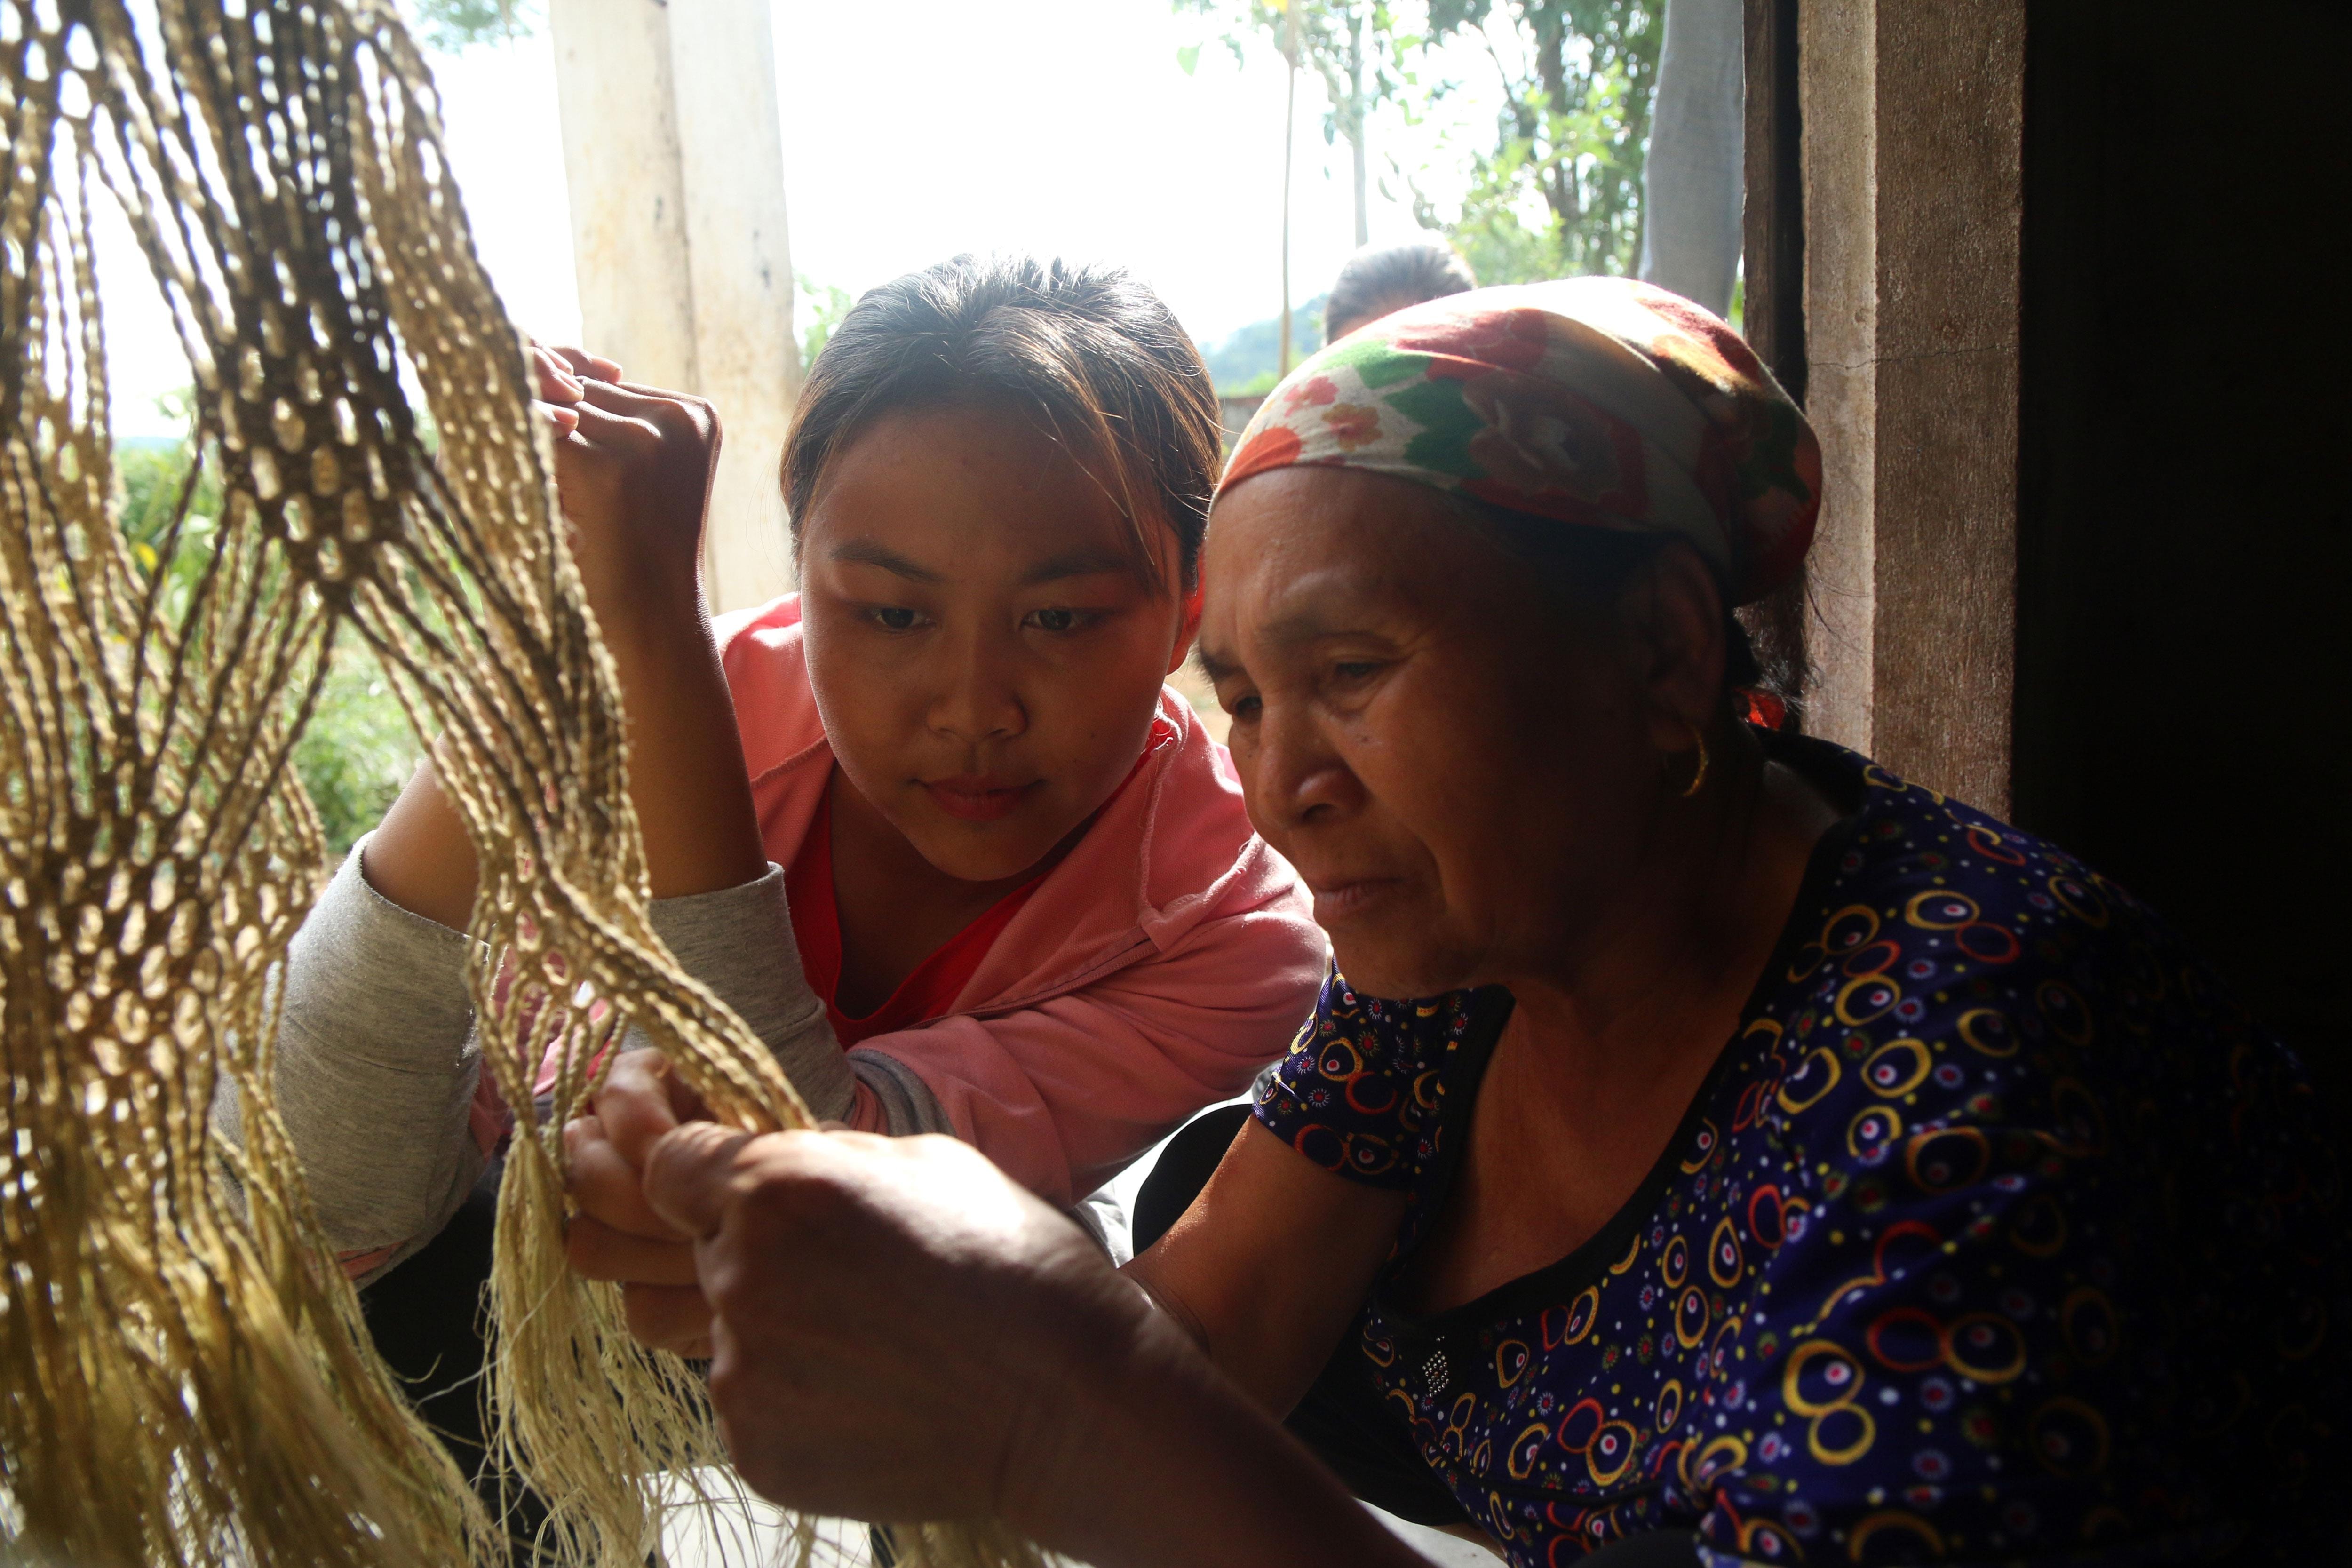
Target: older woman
1779,1160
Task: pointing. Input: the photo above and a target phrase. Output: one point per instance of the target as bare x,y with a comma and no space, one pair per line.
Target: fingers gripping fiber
182,1377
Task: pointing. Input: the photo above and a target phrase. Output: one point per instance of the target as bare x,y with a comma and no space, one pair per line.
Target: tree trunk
1560,190
1289,125
1363,218
1356,122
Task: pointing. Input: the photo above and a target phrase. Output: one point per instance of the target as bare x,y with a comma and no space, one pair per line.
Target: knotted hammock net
184,1377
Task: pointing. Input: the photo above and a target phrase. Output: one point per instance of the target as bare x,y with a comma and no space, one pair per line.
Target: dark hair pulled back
1088,352
1376,283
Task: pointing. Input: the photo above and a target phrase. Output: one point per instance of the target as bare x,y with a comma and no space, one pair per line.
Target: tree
1561,191
358,749
1557,189
453,26
819,308
1357,46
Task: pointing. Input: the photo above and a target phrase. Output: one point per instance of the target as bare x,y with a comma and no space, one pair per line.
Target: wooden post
1773,265
1912,164
1838,88
1951,94
723,64
626,186
1773,218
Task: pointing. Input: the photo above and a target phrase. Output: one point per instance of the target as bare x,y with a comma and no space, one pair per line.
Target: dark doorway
2185,529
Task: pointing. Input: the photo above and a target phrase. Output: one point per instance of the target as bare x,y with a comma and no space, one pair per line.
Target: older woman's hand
902,1332
892,1315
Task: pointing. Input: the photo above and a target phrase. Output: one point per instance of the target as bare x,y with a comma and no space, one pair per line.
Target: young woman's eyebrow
1083,563
869,553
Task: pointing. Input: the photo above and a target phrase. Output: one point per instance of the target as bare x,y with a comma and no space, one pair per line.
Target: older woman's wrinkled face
1456,774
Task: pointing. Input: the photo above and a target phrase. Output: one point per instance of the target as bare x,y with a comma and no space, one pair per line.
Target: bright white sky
917,129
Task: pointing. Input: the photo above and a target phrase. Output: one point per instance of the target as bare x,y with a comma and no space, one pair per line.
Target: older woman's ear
1673,618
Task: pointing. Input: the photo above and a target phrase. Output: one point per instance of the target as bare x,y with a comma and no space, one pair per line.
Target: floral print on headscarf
1597,401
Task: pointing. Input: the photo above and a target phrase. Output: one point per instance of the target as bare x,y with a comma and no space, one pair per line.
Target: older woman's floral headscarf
1597,401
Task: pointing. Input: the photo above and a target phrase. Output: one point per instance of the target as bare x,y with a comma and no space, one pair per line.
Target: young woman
1782,1162
1027,905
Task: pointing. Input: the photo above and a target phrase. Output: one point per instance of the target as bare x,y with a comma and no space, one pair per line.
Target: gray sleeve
377,1063
377,1067
729,941
739,941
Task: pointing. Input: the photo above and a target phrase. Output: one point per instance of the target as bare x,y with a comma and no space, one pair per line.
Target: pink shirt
1166,959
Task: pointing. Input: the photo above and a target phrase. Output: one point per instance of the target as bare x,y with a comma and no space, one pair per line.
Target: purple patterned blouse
1999,1232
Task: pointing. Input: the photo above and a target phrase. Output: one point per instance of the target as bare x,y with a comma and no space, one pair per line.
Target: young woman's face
986,655
1456,776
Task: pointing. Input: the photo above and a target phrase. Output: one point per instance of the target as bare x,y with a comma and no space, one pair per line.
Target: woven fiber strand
182,1377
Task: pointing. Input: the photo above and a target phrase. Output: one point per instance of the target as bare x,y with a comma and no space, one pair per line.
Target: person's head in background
998,476
1381,279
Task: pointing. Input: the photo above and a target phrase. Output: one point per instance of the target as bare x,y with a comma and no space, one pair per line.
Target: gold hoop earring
1699,777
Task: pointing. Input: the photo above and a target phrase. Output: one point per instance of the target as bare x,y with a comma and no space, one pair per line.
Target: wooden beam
1913,167
626,188
1951,96
1774,290
1774,215
730,145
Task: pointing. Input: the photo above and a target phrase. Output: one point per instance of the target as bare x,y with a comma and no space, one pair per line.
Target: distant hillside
1245,361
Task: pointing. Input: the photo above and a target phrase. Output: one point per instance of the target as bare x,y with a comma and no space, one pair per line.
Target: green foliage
1258,385
154,481
358,749
452,25
1358,46
1559,191
1245,359
1556,187
820,308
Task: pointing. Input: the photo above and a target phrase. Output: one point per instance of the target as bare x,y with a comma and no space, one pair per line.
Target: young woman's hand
616,1235
633,468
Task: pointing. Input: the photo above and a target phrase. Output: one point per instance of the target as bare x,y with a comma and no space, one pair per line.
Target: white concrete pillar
627,189
723,67
674,159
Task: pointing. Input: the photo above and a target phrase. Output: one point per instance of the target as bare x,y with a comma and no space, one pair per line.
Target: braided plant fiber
183,1378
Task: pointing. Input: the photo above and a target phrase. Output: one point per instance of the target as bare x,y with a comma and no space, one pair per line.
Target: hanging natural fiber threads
182,1378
